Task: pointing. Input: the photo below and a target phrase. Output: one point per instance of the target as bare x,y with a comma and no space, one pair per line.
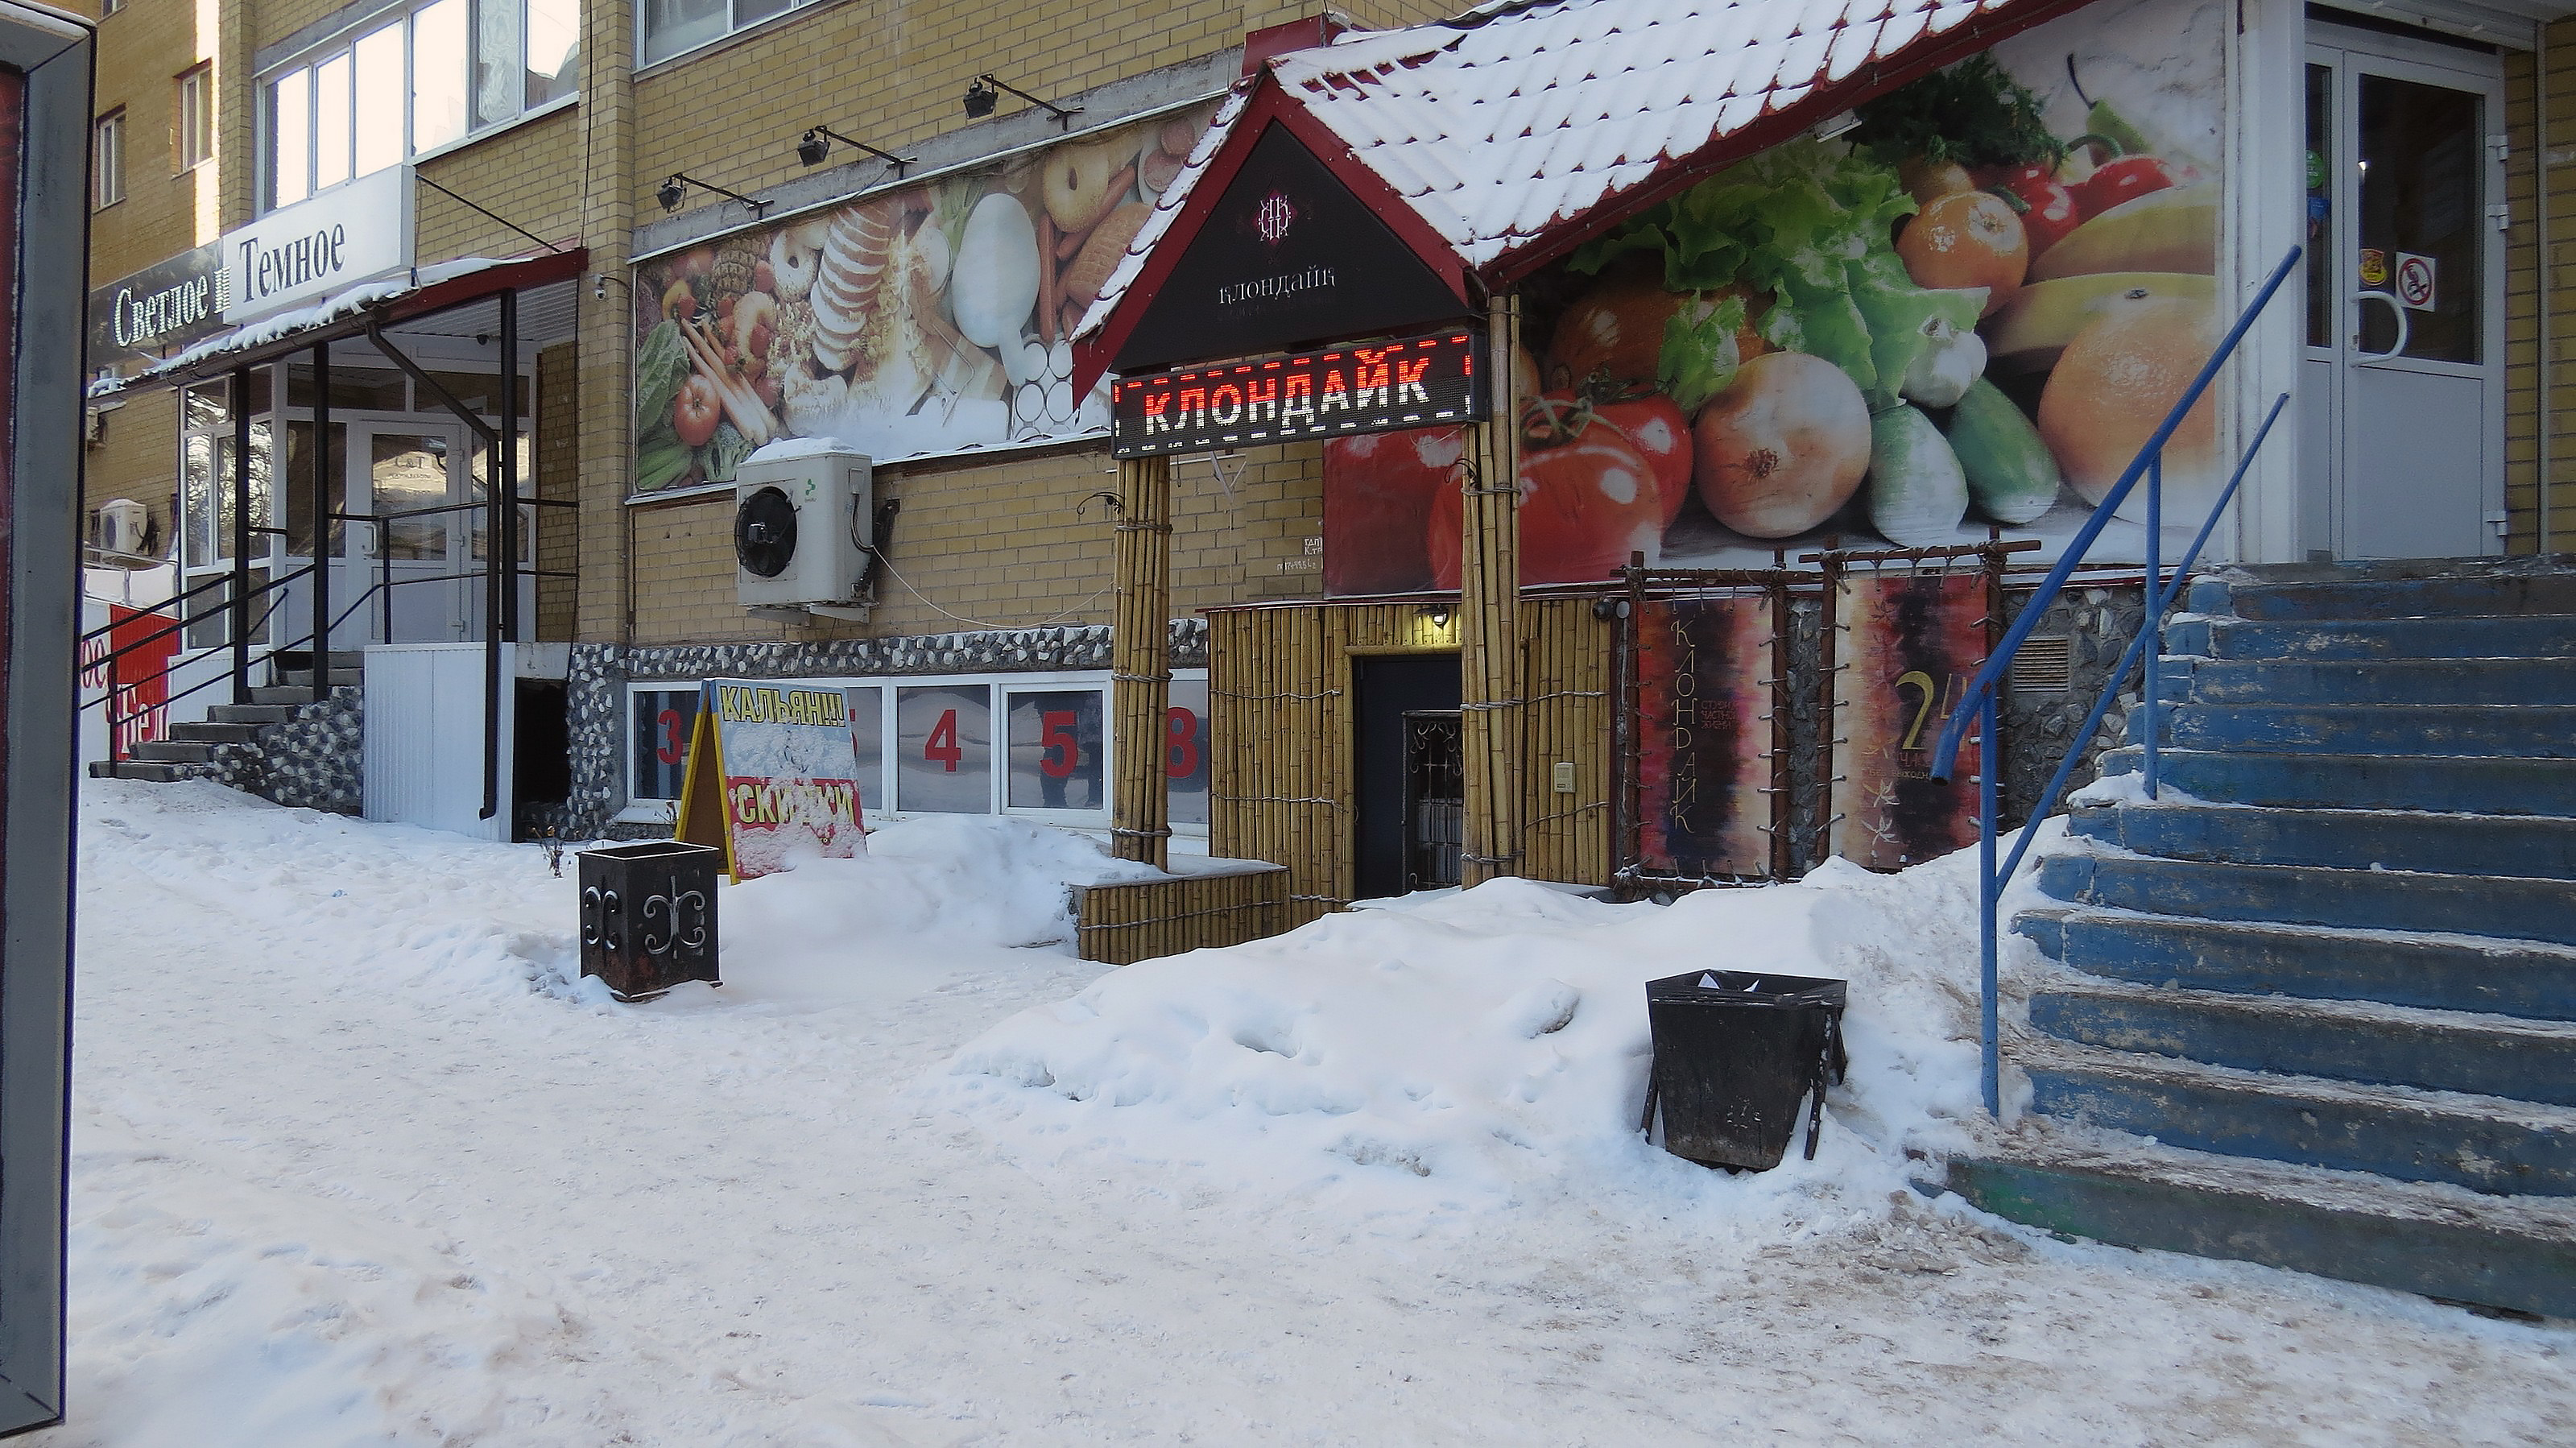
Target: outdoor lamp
818,144
1438,613
675,188
984,92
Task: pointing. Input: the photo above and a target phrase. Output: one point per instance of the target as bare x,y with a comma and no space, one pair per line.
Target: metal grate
2045,665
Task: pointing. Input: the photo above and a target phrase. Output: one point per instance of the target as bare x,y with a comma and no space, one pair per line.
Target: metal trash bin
648,916
1735,1051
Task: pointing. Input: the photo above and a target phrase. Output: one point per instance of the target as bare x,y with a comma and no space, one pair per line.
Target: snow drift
1474,1050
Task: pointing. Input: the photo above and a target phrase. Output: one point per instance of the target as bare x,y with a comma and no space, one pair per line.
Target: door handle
2393,305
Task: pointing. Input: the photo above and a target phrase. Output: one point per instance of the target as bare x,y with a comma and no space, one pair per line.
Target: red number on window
674,744
941,746
1055,734
1180,743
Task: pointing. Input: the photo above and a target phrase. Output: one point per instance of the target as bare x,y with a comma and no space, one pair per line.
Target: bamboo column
1489,664
1141,660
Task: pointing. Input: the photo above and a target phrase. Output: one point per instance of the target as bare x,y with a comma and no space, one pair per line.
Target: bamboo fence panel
1282,731
1129,921
1141,664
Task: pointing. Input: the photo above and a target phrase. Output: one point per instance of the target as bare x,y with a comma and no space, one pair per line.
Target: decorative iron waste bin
1735,1051
648,916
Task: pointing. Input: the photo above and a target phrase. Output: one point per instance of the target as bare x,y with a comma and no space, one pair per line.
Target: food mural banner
1970,310
1905,647
912,322
1704,735
772,775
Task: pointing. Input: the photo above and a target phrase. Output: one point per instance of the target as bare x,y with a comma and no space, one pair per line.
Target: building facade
819,221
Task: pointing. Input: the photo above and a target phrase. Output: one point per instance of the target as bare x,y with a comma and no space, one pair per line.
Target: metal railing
1979,707
270,596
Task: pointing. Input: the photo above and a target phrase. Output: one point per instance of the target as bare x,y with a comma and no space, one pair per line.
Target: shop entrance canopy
1494,143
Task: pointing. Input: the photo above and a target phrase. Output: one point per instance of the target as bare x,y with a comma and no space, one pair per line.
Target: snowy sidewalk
356,1162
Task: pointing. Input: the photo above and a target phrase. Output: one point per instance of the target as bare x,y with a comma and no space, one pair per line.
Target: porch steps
189,751
2317,1006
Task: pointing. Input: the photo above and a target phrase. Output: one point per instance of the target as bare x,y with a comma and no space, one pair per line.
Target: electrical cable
1065,617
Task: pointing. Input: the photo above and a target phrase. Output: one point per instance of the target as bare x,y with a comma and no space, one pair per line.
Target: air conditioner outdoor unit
121,525
801,530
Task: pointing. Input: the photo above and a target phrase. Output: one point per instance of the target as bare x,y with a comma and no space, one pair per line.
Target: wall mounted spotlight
675,189
983,93
1439,614
818,144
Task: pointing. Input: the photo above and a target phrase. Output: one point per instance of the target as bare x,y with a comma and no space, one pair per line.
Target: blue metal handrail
1979,704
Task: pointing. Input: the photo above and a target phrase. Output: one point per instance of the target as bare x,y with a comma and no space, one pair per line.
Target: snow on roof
1515,116
298,319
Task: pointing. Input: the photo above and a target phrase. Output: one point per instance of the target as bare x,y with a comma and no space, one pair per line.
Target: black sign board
156,311
1288,258
1368,387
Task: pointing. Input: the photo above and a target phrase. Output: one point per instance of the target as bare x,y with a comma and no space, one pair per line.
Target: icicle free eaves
1503,125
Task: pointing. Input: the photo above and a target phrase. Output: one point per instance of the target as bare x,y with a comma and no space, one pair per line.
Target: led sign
1409,382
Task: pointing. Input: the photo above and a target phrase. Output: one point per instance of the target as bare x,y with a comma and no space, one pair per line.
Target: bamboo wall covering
1281,718
1218,903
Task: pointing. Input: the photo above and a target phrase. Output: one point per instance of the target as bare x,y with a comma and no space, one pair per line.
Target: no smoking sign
2416,276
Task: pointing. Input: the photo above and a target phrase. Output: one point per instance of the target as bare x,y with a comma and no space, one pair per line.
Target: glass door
413,468
2402,398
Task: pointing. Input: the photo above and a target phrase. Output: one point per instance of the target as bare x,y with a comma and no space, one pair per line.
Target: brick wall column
606,329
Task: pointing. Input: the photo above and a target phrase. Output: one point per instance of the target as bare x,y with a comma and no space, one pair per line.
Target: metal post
495,538
241,535
1990,1062
115,727
505,540
321,521
2153,624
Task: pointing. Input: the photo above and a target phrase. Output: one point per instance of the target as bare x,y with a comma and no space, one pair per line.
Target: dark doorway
540,759
1386,690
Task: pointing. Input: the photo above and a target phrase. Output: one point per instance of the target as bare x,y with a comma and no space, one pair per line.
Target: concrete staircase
2318,1007
189,752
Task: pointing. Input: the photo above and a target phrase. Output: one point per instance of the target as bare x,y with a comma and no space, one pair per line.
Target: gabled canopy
1494,142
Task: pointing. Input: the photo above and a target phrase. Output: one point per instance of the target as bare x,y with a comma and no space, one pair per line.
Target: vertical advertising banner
1906,645
141,706
1704,735
1970,309
773,768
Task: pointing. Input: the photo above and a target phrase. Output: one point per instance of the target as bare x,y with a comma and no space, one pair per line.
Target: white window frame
734,25
192,130
107,160
404,19
998,686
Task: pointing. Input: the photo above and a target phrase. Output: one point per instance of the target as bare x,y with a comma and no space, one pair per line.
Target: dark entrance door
1385,691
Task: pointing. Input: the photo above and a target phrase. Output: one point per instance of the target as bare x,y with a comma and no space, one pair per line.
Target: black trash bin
1735,1051
648,916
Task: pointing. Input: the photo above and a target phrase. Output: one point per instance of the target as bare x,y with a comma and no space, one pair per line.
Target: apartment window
107,160
194,114
672,26
430,76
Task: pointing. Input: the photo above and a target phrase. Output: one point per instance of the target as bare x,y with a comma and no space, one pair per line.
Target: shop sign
1288,258
308,251
146,316
1408,382
1906,646
772,775
916,321
1864,337
1704,706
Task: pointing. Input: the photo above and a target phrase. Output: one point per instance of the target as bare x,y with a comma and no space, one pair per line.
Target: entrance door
412,466
2402,391
435,560
1396,698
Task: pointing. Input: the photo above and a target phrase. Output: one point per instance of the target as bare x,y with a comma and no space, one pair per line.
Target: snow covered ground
356,1160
